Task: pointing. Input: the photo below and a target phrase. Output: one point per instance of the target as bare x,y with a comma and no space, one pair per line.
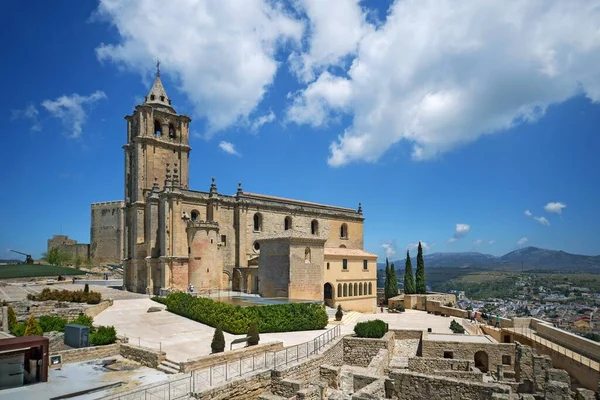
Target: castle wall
107,236
274,272
467,351
306,272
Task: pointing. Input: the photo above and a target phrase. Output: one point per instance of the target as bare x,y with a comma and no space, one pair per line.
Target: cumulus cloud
477,242
223,52
228,148
555,208
491,242
390,249
29,113
430,75
262,120
542,220
522,241
415,246
72,110
528,213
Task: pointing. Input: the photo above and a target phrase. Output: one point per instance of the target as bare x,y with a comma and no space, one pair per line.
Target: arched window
307,255
339,292
314,227
370,288
172,134
256,247
345,290
360,289
157,128
287,223
365,291
257,222
194,215
350,290
342,246
327,265
344,231
356,289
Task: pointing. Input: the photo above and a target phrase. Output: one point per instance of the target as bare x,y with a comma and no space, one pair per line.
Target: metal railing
218,374
529,334
139,342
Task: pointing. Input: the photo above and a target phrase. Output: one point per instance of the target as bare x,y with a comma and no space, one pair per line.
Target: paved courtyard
182,338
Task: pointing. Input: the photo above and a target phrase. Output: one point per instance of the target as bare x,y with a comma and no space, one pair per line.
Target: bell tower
157,145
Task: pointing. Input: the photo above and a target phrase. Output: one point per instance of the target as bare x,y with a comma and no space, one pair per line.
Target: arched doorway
481,361
328,294
236,282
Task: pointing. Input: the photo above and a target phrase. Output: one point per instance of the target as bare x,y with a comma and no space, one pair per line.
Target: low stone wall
400,334
428,365
145,356
416,386
221,358
63,309
470,376
468,350
98,308
360,381
330,375
360,351
379,363
439,308
248,388
308,370
88,353
374,390
572,342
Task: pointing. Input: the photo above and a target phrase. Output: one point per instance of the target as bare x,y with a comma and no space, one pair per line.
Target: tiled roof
340,251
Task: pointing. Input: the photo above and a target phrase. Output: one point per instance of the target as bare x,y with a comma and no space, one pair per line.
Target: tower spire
158,95
157,68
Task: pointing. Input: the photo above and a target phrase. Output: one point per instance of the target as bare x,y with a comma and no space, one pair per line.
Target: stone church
276,247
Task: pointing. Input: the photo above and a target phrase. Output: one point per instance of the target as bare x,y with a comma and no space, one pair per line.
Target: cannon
28,258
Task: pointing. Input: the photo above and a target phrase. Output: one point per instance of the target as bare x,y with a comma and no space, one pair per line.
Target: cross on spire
157,67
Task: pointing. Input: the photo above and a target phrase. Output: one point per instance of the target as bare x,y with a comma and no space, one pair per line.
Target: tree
409,279
420,285
253,337
386,284
33,327
218,342
393,282
86,288
12,318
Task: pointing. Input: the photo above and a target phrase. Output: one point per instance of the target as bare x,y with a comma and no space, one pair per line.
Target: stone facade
360,351
69,247
107,238
486,356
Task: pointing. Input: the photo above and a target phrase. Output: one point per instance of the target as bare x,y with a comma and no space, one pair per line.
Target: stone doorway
481,361
328,294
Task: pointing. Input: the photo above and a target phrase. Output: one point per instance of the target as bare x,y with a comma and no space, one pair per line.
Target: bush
103,335
73,296
235,319
253,337
50,323
18,329
33,327
86,288
370,329
218,342
12,318
400,309
456,327
83,319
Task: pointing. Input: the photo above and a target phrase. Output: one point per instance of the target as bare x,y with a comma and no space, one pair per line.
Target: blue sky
444,124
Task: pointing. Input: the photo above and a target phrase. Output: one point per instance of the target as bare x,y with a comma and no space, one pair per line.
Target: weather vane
157,67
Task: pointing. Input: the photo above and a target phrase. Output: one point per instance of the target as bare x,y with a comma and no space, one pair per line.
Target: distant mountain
11,261
528,258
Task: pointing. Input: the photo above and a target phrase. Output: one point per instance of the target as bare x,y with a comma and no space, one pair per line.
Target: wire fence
531,335
139,342
205,378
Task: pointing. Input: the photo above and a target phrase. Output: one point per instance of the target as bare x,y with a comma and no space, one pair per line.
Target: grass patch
34,270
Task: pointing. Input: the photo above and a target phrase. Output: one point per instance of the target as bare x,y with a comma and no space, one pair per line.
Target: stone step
350,317
270,396
166,369
171,364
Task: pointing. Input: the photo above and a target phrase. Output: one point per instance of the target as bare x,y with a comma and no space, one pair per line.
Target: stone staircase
169,367
348,318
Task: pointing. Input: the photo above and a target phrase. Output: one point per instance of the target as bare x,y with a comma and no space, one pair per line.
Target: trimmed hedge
456,327
73,296
236,319
370,329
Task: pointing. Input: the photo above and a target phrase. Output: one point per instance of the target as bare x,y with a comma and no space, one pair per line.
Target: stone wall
428,365
379,363
416,386
374,390
439,308
221,358
145,356
400,334
360,351
107,239
248,388
468,350
88,353
572,342
66,310
359,381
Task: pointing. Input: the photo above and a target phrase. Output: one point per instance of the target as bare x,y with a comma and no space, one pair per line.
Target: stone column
500,372
5,318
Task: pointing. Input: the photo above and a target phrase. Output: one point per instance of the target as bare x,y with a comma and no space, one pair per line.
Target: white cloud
522,241
528,213
477,242
555,208
223,52
415,246
30,113
451,240
431,76
461,230
228,148
262,120
71,110
542,220
390,249
491,242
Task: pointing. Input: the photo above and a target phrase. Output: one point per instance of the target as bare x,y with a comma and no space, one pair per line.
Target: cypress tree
420,285
33,327
409,279
393,282
386,283
218,342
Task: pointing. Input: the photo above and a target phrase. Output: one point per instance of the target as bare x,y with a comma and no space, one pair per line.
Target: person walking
497,321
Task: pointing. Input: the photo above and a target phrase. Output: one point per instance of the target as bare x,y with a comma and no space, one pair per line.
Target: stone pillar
5,318
500,372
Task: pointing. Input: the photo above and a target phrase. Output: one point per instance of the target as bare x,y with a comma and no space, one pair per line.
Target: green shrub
400,308
50,323
253,337
12,318
218,342
33,327
18,329
86,288
161,300
235,319
73,296
103,335
456,327
83,319
370,329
